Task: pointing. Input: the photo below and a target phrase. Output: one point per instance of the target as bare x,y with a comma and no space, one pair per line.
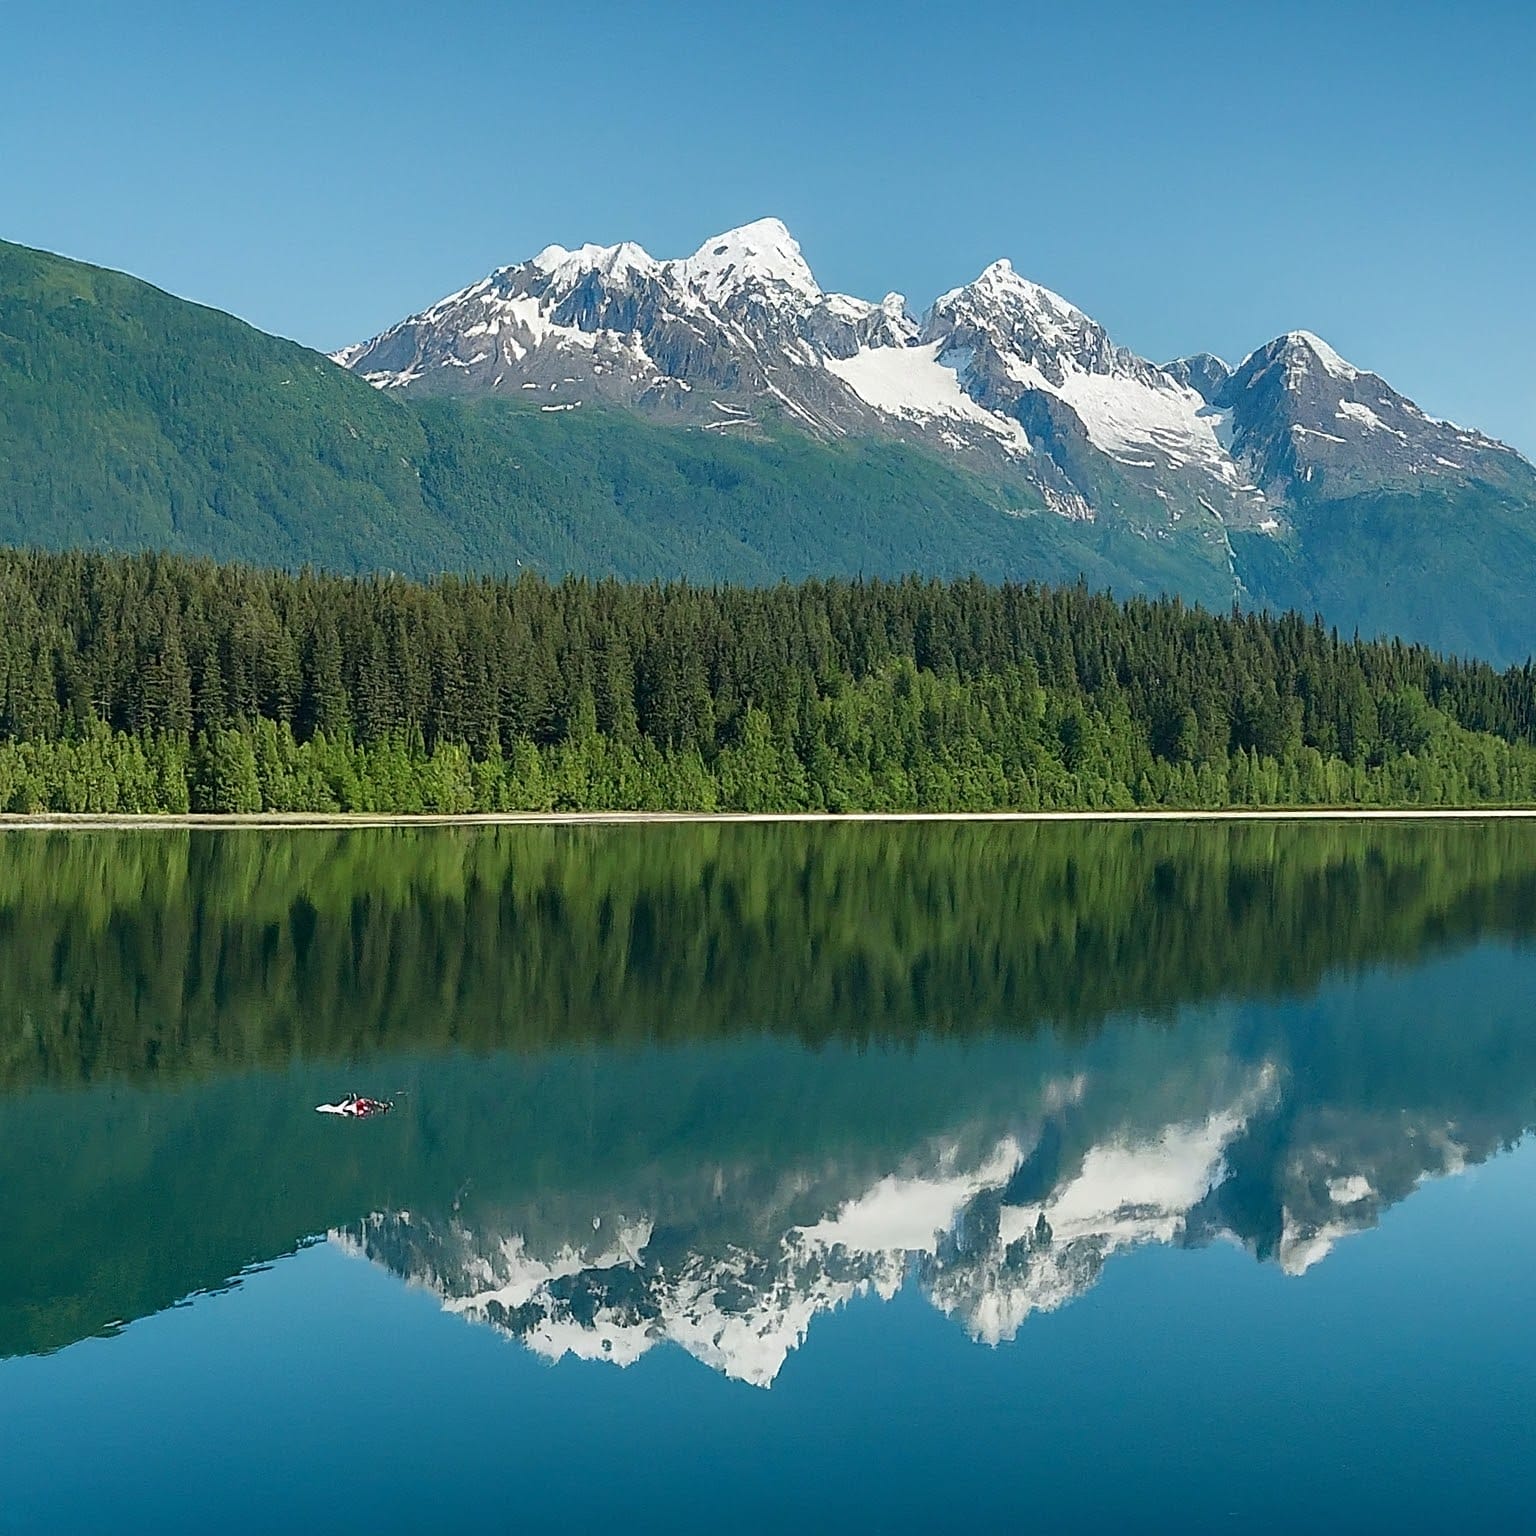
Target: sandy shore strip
342,821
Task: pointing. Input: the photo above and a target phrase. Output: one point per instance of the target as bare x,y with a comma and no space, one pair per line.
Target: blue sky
1194,175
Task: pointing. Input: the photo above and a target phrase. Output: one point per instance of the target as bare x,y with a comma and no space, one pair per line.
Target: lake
1068,1177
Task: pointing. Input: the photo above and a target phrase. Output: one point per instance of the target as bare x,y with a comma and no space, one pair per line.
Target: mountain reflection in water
700,1085
992,1226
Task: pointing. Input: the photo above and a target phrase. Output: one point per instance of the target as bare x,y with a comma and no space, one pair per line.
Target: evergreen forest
145,683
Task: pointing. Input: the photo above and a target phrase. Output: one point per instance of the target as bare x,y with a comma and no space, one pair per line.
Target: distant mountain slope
781,433
604,493
132,419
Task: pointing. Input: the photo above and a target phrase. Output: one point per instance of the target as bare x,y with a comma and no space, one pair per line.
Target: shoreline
356,820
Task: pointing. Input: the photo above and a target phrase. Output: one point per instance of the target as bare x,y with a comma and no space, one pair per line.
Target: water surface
1059,1176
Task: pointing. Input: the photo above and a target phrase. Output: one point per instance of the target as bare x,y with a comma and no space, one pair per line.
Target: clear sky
1197,176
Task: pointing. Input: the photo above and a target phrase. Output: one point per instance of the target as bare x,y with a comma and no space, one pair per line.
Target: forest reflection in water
151,955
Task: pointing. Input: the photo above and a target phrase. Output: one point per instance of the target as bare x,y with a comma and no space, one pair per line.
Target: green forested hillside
1459,570
604,493
133,420
155,683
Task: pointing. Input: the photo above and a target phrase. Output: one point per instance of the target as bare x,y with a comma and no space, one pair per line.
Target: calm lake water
743,1178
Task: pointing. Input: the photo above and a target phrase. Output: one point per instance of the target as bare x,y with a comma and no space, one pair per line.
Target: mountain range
721,417
1002,374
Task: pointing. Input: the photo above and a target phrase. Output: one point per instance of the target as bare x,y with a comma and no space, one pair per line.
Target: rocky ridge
1011,378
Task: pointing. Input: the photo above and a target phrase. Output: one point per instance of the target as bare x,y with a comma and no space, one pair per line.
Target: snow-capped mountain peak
1302,349
1000,285
763,252
1313,425
1019,331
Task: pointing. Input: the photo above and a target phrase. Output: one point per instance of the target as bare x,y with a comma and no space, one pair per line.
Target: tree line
158,683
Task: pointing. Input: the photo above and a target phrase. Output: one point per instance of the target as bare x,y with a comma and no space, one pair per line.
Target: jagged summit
1305,348
1312,425
610,260
1001,283
762,254
1203,372
1006,373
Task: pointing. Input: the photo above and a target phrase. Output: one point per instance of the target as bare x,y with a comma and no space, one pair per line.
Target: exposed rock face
1311,424
1205,373
1005,374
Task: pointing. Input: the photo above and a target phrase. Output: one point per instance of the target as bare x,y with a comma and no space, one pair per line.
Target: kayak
356,1107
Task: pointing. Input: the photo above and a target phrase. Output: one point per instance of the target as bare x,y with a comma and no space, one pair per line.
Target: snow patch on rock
916,383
